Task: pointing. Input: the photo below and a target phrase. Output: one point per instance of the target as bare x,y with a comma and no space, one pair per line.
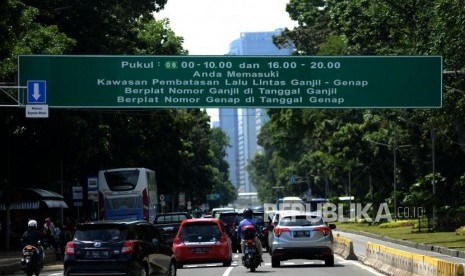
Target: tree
20,33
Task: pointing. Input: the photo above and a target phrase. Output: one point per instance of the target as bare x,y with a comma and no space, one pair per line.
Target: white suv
302,236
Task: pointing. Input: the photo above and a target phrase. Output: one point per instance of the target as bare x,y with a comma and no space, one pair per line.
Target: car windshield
100,234
259,219
228,218
301,220
200,232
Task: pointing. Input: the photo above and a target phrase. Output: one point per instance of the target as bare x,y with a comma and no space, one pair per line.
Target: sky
209,26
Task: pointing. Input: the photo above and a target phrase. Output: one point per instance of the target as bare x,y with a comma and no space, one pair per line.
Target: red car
202,241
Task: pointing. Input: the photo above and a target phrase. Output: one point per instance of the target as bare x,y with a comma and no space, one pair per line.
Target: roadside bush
460,231
396,224
449,219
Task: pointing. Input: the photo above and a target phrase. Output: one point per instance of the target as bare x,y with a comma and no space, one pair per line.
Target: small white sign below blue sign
36,92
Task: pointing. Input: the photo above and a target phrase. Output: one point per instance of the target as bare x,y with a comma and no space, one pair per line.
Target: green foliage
20,33
355,149
187,155
396,224
460,231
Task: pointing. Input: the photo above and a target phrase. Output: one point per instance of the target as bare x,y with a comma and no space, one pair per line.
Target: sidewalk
10,260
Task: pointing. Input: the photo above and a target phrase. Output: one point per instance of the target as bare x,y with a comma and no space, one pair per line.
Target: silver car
302,236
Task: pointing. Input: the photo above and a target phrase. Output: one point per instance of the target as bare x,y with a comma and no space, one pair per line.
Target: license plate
301,234
97,254
200,250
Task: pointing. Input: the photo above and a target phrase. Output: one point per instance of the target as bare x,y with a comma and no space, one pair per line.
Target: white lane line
360,265
228,270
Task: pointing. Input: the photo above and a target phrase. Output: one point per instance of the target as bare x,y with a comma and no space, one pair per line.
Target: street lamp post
394,154
433,160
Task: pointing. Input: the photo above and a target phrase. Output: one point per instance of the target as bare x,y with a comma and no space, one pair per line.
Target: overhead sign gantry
236,81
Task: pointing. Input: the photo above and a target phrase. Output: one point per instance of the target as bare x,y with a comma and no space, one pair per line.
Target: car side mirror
332,226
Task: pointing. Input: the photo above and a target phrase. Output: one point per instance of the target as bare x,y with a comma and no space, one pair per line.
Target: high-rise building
258,43
247,122
228,123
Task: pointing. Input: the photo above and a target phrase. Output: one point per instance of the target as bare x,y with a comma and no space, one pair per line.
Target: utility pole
394,153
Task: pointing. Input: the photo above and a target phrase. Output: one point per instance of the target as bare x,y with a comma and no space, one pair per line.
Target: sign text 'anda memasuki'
237,81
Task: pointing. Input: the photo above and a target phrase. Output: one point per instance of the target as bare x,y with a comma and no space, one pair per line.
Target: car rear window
100,233
200,232
171,218
301,220
228,218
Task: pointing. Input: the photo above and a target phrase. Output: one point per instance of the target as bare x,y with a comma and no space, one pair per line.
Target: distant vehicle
259,218
316,203
302,236
230,221
290,202
216,211
202,240
118,248
127,193
168,224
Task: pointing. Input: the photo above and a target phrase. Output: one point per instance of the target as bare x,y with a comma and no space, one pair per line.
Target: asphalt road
291,267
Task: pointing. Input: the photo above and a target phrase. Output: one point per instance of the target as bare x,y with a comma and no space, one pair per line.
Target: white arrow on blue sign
36,92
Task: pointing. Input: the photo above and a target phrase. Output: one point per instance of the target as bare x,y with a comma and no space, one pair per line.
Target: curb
344,247
421,246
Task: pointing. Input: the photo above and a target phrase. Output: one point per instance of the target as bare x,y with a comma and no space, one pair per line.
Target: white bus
127,193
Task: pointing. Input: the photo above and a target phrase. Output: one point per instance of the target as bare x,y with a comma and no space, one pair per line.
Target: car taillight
324,229
69,249
223,238
128,247
279,230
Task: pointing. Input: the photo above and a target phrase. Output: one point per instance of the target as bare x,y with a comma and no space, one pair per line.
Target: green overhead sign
236,81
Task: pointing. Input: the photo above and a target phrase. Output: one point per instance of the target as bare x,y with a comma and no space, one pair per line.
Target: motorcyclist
248,215
33,236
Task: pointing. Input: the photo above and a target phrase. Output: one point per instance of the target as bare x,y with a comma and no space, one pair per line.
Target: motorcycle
251,258
32,262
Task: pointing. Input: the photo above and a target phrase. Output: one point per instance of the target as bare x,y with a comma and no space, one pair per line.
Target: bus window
127,193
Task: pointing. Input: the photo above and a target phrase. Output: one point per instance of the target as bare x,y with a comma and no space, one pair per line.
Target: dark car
168,224
259,218
230,221
118,248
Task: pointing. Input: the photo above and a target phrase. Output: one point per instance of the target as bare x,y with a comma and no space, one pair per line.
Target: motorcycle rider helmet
32,223
248,213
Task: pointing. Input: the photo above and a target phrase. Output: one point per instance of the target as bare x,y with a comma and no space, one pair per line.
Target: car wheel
172,269
329,261
144,271
275,262
227,262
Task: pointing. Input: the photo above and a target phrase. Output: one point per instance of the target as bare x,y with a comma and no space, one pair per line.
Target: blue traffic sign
36,92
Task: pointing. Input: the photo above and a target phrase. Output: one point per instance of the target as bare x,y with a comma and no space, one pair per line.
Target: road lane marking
228,270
